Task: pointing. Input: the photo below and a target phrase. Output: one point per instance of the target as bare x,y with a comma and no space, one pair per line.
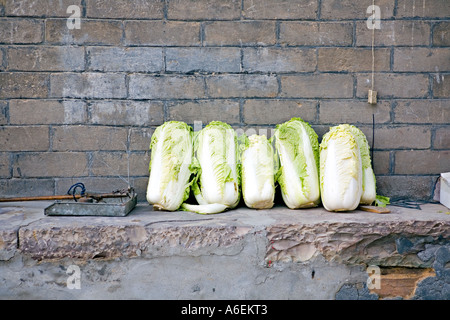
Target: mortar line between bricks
319,10
165,10
210,73
241,112
50,138
430,40
212,46
317,118
241,13
83,5
433,135
202,34
244,19
178,100
430,85
88,100
391,125
354,35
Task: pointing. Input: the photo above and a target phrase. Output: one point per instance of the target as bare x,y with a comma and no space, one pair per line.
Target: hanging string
373,137
373,44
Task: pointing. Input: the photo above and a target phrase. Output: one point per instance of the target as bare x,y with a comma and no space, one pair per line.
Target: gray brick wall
80,104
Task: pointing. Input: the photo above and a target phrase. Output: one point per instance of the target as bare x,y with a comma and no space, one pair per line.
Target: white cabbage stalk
368,179
298,176
258,186
217,179
340,170
171,156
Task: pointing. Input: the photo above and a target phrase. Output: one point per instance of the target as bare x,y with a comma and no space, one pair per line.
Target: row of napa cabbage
218,167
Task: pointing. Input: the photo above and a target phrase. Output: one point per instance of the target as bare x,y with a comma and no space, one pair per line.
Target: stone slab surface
239,254
294,235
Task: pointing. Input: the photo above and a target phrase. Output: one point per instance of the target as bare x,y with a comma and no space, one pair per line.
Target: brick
348,9
394,33
264,59
353,111
204,10
140,185
228,86
162,33
46,111
239,33
422,111
353,59
50,164
441,34
26,187
88,85
4,110
23,85
187,60
24,138
441,139
429,9
275,111
390,85
440,85
413,162
401,282
421,59
125,59
126,113
91,32
128,9
39,8
46,58
21,31
296,33
116,164
89,138
280,9
204,111
405,187
381,162
140,138
5,172
402,137
317,86
165,87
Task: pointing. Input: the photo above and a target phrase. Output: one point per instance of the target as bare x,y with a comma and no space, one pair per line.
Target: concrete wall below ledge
240,254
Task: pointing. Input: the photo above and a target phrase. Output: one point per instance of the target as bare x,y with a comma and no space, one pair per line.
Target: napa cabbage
216,183
297,146
171,157
368,177
340,170
257,172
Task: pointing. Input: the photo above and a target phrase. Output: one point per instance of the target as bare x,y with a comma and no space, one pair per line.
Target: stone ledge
291,235
410,246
